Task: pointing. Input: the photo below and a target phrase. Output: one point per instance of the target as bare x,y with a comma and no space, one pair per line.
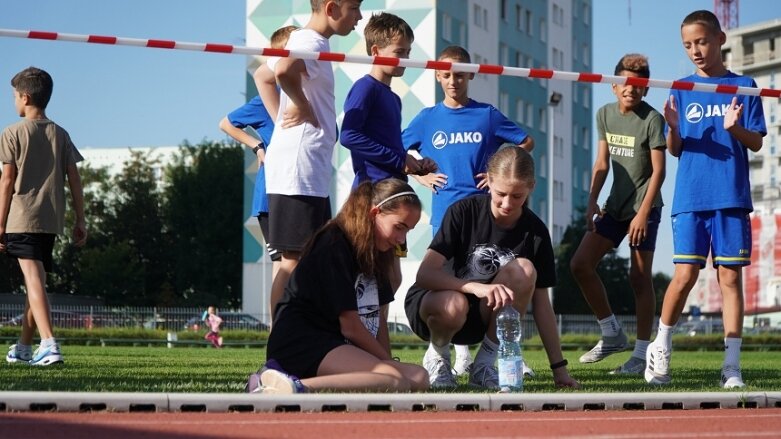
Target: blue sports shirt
713,168
254,114
371,130
460,141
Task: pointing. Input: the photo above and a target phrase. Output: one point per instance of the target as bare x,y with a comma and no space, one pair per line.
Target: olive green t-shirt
630,138
41,151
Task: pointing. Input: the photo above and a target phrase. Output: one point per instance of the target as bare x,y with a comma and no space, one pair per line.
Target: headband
395,196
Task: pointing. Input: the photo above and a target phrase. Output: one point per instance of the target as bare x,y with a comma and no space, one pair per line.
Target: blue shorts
615,230
725,233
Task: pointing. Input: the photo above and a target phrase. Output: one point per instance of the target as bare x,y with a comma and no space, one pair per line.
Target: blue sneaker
16,355
46,356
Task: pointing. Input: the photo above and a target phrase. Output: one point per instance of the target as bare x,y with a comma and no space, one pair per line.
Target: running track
699,423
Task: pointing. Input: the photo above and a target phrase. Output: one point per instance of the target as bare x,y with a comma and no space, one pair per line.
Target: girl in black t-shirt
330,327
490,251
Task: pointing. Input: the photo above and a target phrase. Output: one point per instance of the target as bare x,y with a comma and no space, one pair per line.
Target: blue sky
127,96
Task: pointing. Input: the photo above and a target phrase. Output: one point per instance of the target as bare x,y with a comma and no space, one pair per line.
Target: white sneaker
16,355
46,356
438,367
527,371
462,366
731,378
657,365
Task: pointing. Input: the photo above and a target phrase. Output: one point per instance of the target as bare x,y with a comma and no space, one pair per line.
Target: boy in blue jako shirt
371,128
254,114
459,135
712,201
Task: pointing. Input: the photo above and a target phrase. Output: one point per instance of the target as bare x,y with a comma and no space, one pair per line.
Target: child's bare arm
751,139
266,83
673,135
77,194
288,73
6,191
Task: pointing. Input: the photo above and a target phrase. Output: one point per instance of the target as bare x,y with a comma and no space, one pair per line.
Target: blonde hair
280,36
513,163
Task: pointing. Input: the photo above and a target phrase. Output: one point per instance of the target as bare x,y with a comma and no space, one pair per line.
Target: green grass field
197,369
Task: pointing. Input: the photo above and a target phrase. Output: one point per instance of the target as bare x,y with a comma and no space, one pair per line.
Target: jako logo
440,139
694,112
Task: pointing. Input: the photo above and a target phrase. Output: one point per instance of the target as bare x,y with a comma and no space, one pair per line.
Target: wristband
559,365
258,148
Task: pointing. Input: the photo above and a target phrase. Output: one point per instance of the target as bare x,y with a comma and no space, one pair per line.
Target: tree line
175,239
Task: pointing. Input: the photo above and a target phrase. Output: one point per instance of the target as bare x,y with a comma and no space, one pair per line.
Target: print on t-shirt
368,299
484,261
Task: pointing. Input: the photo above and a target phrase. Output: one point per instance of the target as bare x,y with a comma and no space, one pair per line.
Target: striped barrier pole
491,69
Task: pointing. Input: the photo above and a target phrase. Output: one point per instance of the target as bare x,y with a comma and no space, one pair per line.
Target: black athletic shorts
35,246
472,332
273,254
293,219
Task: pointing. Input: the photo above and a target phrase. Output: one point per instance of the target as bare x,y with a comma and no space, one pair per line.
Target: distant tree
204,215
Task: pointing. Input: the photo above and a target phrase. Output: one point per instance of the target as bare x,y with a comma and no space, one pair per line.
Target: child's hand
261,157
671,113
732,116
432,181
79,233
562,379
638,230
294,116
592,210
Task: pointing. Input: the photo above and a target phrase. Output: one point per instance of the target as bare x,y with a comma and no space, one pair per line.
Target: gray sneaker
605,347
438,367
484,375
633,366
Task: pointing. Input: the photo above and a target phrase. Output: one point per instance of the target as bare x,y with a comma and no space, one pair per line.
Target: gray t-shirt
630,138
41,150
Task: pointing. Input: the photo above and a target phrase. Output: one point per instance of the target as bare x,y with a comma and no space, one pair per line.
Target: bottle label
510,374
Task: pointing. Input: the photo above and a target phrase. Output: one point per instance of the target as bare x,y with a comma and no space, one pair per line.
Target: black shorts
35,246
273,254
298,345
293,219
472,332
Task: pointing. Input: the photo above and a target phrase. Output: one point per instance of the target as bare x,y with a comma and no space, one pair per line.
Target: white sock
732,351
640,347
462,351
609,326
487,352
46,342
443,351
664,336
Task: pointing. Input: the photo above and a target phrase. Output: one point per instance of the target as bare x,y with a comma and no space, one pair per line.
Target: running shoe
16,355
731,378
633,366
46,356
605,347
438,367
484,375
463,366
657,367
278,382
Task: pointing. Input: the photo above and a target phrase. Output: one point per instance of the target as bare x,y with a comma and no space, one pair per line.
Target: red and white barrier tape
491,69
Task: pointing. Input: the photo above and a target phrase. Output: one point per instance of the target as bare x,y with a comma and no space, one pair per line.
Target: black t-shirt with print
479,247
327,282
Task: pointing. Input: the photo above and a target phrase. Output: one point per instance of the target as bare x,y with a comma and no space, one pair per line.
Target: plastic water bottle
508,331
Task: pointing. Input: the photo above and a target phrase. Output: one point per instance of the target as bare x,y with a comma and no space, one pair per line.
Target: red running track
715,423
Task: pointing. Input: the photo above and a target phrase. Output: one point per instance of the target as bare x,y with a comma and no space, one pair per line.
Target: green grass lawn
193,369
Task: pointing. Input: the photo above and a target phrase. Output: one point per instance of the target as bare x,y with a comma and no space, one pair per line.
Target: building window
558,15
543,113
485,19
528,22
518,58
519,111
519,18
585,54
586,181
575,89
504,103
478,16
447,28
503,10
585,138
558,190
529,115
586,13
503,57
543,31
